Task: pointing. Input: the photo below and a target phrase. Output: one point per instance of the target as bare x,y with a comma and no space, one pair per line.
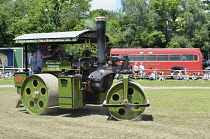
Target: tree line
138,24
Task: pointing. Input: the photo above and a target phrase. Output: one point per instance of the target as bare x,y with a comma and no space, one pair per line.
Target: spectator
161,76
186,77
33,61
141,69
179,76
135,69
152,76
1,74
205,76
193,76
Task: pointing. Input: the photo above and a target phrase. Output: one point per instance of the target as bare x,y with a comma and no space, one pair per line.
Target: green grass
146,83
184,112
6,81
176,114
173,83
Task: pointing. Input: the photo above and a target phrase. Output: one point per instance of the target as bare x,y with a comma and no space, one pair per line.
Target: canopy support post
26,57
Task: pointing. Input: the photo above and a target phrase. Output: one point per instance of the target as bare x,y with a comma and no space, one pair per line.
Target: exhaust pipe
101,79
101,40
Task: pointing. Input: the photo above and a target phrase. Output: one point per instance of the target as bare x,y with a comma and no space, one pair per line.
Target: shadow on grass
143,117
22,110
87,110
74,113
80,112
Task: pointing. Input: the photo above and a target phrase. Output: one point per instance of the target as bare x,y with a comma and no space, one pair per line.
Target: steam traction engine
72,84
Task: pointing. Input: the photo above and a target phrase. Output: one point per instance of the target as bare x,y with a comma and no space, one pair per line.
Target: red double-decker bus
167,60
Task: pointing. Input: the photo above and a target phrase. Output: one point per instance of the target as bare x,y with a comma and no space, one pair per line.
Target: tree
168,11
5,36
31,16
139,25
193,26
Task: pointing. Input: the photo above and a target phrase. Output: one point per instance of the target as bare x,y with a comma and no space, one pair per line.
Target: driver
42,55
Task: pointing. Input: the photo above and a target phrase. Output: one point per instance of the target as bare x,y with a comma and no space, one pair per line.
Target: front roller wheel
39,91
122,109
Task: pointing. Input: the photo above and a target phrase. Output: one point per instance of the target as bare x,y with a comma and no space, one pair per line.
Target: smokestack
101,39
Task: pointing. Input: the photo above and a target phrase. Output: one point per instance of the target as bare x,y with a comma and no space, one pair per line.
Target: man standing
135,69
141,68
42,55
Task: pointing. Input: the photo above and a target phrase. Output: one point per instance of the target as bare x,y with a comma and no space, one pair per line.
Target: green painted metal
101,97
18,90
18,57
132,95
54,65
39,92
77,92
70,91
125,87
19,78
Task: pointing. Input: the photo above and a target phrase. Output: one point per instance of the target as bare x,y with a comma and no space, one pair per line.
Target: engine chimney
101,39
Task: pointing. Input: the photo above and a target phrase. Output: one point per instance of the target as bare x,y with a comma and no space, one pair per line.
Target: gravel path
176,87
7,86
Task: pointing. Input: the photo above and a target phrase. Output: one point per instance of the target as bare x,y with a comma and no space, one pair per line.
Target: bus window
129,56
174,57
195,57
138,57
187,57
162,58
150,57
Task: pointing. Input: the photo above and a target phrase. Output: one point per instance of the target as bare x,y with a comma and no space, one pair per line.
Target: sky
106,4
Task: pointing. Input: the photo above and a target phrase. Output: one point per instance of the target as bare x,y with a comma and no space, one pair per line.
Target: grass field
147,83
6,81
177,113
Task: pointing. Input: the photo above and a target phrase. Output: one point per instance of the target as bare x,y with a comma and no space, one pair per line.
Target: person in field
135,69
141,70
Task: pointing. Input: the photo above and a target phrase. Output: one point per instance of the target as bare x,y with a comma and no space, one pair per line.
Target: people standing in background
42,55
33,61
135,69
141,69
